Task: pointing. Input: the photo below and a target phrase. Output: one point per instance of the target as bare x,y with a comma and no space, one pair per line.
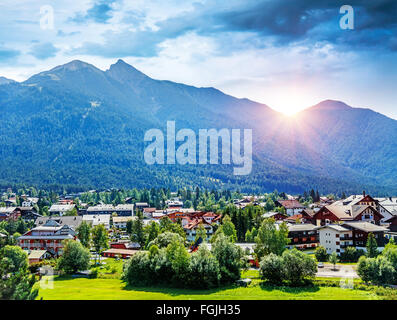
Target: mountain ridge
82,126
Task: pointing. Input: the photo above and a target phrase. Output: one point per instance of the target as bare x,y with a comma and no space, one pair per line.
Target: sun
290,102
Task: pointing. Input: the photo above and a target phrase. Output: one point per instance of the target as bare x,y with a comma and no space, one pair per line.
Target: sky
288,54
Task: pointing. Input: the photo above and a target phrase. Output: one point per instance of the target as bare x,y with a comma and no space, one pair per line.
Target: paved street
341,271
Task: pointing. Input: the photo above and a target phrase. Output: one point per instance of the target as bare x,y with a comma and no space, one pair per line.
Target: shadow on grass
172,291
305,288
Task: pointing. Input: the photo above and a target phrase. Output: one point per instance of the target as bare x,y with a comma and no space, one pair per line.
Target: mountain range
77,127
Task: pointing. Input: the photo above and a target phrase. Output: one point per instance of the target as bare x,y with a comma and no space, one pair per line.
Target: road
342,271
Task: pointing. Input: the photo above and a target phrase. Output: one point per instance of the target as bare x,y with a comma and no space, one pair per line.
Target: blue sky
287,54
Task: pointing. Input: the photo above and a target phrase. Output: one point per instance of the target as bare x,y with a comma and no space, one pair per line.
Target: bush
165,238
137,271
175,267
376,270
179,258
229,257
272,268
34,267
351,254
204,270
321,254
94,273
298,266
75,257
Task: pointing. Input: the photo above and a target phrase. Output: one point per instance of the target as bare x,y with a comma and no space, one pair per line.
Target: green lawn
108,286
115,289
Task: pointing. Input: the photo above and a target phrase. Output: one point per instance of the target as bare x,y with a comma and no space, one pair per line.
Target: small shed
37,256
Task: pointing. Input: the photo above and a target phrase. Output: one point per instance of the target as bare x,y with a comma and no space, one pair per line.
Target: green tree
21,226
100,238
351,254
75,257
227,228
229,257
248,236
321,254
179,258
204,270
378,270
129,227
187,204
166,225
164,239
271,238
71,212
272,268
201,232
16,283
84,234
372,246
298,266
152,231
137,232
333,258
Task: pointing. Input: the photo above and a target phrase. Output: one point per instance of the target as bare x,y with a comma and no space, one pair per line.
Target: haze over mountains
79,127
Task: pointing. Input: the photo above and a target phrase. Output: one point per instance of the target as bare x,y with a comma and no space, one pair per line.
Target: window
337,235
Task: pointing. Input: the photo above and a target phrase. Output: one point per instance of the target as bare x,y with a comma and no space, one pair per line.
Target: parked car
320,265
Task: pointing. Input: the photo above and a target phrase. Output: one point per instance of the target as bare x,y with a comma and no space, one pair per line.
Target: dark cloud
282,21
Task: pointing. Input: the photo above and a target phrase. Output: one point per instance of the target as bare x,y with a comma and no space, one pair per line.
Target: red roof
194,223
291,204
209,214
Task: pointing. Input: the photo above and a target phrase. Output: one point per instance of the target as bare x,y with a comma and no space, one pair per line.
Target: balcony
304,240
346,238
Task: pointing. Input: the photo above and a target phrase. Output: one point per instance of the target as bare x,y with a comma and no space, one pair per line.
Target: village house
120,210
10,202
392,223
210,217
325,201
72,221
335,238
354,208
28,213
275,215
9,213
97,219
60,209
302,236
36,256
141,205
191,229
389,204
121,222
148,212
245,201
49,236
65,201
124,244
29,202
119,253
306,216
291,207
174,203
361,230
